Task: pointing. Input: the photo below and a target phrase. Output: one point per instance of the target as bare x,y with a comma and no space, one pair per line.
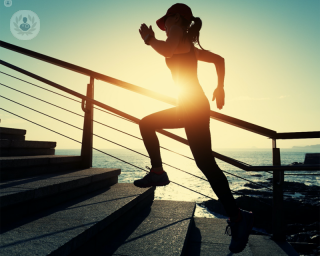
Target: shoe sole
249,231
158,184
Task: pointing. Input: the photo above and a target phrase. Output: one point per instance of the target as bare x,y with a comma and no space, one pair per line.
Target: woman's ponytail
193,31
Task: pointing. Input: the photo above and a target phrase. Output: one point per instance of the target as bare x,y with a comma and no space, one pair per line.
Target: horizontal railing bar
243,124
47,58
214,115
40,87
298,135
74,93
308,167
231,161
58,94
41,79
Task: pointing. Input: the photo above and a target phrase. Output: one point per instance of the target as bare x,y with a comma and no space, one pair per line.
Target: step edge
6,162
13,131
37,193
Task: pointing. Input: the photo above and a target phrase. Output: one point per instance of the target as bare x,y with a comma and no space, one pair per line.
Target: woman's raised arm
165,48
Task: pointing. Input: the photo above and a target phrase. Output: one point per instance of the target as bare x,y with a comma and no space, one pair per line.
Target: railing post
87,135
278,224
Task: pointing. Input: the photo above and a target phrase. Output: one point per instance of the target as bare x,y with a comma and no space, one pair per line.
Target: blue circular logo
25,25
7,3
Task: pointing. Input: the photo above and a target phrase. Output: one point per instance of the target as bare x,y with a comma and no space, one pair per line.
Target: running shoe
240,231
152,179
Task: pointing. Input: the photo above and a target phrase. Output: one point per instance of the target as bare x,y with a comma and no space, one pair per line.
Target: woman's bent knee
145,123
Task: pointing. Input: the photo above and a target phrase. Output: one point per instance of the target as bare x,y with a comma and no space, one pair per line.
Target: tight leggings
196,121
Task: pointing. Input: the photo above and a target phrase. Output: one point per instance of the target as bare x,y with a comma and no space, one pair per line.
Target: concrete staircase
51,206
13,143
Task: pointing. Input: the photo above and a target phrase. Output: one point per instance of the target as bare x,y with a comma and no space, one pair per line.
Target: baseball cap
183,9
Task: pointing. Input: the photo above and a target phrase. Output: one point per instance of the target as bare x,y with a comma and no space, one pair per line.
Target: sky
271,50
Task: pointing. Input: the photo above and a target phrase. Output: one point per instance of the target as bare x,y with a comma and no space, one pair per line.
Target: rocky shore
302,214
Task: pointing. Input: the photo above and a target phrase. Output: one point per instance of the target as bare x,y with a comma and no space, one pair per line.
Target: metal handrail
214,115
298,135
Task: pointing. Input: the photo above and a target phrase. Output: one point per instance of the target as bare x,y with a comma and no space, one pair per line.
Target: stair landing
208,238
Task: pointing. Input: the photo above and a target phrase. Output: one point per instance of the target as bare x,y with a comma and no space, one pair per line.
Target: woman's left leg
169,118
165,119
199,138
198,133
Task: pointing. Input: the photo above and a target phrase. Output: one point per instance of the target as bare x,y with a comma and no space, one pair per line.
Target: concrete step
4,136
161,229
12,134
26,144
26,148
28,161
20,198
12,131
61,230
26,151
207,237
27,166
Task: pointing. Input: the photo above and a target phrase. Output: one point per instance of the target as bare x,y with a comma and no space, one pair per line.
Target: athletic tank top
183,67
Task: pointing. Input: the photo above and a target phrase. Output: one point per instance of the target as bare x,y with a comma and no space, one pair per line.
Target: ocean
175,192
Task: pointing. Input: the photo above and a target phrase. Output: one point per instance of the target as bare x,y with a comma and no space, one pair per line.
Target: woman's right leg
166,119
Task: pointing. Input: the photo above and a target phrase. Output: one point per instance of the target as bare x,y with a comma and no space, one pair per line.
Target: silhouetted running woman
192,113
